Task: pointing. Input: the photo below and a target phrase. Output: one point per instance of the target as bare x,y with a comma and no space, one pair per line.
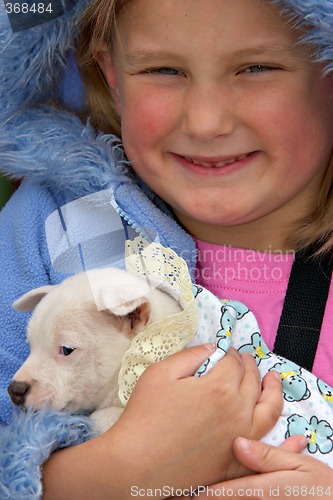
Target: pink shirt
260,281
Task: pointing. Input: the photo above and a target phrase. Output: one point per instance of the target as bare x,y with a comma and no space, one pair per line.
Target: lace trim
169,272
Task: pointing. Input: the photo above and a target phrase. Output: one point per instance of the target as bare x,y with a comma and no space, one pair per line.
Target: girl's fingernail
243,443
276,375
303,442
210,346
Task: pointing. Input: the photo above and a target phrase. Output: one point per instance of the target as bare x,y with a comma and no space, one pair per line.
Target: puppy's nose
18,392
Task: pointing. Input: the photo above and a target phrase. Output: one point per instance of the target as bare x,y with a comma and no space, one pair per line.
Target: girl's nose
207,113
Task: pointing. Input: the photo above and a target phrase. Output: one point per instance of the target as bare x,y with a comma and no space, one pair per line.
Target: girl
225,118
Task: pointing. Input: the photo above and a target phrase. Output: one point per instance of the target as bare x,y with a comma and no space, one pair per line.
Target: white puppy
81,329
78,334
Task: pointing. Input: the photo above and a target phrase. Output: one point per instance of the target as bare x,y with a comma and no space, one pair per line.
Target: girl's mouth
215,164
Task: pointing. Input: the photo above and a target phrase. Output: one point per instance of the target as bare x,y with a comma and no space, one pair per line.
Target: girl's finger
270,405
182,364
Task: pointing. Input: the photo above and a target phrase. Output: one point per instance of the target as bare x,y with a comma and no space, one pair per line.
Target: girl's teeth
218,164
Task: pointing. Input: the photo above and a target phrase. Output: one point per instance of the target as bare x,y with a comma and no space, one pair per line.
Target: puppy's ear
126,303
139,316
29,300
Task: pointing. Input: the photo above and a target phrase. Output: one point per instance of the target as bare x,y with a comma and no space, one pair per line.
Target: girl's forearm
93,470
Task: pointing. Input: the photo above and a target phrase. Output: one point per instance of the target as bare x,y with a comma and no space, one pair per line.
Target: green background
6,189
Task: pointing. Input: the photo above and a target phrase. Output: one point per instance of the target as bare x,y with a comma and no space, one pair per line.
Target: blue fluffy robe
55,149
28,442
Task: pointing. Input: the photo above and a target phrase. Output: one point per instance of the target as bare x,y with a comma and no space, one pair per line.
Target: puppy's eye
65,350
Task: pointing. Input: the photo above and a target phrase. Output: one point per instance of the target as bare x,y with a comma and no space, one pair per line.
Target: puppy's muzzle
18,392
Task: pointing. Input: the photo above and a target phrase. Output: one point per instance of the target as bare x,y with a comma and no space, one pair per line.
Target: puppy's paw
103,419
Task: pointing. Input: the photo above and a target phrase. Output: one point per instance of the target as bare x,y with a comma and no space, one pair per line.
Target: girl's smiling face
223,114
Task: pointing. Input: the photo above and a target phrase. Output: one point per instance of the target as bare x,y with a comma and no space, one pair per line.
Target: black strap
303,309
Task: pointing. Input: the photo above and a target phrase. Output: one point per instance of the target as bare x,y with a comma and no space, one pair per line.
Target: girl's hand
185,426
283,473
176,431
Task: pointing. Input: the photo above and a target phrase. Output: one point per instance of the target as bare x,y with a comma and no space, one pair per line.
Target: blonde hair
99,23
316,229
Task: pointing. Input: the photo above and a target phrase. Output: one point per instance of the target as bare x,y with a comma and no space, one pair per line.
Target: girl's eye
164,71
66,351
259,68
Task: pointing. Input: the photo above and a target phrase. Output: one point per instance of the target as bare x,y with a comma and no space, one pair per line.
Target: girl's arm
176,431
